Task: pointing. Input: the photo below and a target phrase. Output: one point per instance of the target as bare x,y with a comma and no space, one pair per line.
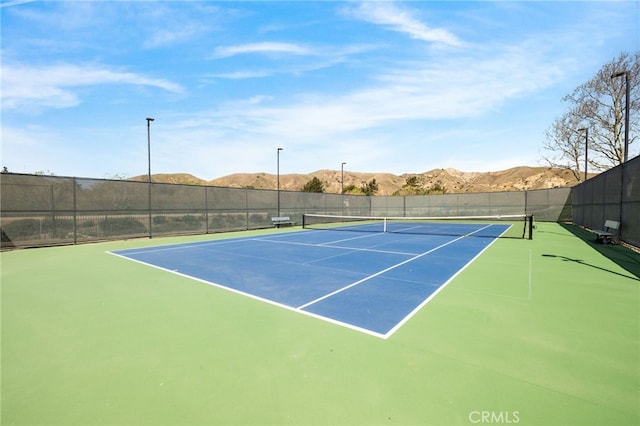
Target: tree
366,188
352,189
314,185
436,188
566,142
414,182
44,173
115,176
416,185
413,185
369,188
597,105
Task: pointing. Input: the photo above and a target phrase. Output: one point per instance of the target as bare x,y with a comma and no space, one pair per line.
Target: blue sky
385,86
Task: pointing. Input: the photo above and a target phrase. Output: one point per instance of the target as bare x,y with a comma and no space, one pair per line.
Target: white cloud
52,86
320,129
416,91
241,75
321,57
15,3
406,107
170,23
401,19
261,48
166,37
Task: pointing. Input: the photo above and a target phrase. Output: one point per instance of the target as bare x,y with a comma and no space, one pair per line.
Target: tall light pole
278,179
342,177
149,120
586,149
626,112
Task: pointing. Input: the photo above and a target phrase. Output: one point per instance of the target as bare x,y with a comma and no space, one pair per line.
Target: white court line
340,290
435,293
324,245
300,309
530,270
216,243
180,246
253,296
351,239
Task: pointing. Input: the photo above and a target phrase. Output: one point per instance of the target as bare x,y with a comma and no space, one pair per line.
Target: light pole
342,178
149,120
626,112
586,149
278,179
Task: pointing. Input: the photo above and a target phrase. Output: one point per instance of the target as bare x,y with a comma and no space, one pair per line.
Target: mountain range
448,180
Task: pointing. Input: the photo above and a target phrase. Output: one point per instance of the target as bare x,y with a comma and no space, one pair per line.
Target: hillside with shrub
437,181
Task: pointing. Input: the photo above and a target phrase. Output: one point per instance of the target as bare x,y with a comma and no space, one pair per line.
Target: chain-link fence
612,195
47,210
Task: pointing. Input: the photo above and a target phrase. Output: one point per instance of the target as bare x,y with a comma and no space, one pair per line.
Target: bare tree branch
599,105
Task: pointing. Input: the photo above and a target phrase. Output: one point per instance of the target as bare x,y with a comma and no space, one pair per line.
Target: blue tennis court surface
369,281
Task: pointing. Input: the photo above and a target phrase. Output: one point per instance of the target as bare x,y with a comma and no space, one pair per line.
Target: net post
304,216
384,226
530,222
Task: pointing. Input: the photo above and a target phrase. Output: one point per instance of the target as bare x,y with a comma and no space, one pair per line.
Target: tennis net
507,226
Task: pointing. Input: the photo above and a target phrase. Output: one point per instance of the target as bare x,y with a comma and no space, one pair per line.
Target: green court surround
541,332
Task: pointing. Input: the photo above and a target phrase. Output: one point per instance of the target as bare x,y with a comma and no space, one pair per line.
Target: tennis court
530,332
363,277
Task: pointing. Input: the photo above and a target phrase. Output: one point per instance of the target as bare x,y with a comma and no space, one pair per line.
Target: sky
383,86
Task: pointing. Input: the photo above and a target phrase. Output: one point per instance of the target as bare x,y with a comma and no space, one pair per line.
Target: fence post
206,209
246,207
75,212
622,225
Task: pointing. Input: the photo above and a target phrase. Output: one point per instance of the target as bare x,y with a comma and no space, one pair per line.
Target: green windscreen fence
40,210
612,195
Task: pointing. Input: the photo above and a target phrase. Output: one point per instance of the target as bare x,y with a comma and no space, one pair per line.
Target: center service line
326,296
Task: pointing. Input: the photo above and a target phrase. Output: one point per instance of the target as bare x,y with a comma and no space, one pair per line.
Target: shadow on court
622,256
